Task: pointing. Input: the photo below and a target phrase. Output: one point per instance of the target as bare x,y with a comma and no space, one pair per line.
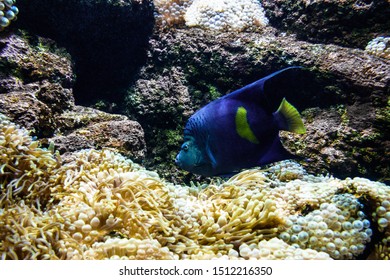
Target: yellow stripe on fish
242,126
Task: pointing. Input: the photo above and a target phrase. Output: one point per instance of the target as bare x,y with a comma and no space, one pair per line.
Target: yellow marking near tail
292,117
242,126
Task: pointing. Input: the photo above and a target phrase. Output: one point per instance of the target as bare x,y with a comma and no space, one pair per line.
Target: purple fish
239,130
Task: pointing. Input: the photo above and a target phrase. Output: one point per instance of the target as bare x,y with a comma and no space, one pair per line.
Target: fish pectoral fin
289,118
210,154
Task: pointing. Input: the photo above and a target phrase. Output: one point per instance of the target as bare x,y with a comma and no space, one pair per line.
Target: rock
349,23
81,116
157,101
124,136
339,84
27,58
28,111
226,61
35,83
84,128
107,36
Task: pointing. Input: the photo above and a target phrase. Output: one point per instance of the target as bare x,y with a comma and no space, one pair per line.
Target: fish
241,129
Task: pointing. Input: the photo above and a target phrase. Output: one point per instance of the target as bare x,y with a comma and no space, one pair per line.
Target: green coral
343,114
214,93
383,115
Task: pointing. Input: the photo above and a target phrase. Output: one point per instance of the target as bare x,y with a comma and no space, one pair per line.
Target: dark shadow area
106,39
350,24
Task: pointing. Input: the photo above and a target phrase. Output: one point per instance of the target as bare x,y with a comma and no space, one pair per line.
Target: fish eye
185,147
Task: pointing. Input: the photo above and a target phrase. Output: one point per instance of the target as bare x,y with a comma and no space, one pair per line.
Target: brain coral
171,12
380,46
100,205
226,14
8,13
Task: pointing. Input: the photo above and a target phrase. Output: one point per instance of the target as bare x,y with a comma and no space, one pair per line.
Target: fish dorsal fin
268,91
289,119
279,85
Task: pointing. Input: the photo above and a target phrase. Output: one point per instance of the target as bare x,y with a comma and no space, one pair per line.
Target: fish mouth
199,164
178,162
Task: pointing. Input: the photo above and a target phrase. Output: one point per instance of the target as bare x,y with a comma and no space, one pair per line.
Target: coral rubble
101,205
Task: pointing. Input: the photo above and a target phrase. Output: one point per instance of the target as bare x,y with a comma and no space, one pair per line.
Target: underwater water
193,129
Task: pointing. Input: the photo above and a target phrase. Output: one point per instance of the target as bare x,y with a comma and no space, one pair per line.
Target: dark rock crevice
106,39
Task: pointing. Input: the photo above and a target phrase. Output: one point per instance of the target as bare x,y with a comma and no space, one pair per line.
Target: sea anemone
98,204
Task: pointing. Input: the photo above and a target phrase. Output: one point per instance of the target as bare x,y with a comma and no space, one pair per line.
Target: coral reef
379,46
100,205
24,166
186,69
277,249
129,249
8,13
338,229
91,202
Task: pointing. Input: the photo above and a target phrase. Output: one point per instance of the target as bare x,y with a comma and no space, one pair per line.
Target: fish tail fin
289,118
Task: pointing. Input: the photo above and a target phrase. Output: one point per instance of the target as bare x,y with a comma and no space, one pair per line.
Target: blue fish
240,130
